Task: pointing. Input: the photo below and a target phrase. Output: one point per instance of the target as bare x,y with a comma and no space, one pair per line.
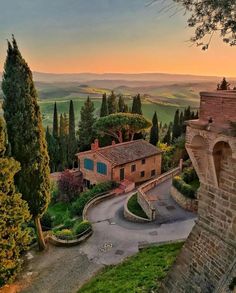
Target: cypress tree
121,104
137,105
154,132
167,137
72,144
104,108
55,122
176,131
53,150
14,213
112,104
224,85
63,144
86,129
26,135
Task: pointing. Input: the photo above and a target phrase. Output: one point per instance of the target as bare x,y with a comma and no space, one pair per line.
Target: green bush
79,204
46,221
189,175
81,227
65,234
68,223
183,187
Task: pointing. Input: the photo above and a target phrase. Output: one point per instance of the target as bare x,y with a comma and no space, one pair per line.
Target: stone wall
207,261
143,199
185,202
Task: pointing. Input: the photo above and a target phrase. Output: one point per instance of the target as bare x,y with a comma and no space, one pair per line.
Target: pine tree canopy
25,132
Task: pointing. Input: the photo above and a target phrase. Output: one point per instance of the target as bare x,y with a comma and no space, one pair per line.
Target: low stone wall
147,205
186,203
130,216
94,202
68,243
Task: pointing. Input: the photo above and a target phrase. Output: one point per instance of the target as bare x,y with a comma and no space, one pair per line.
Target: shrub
65,234
46,221
68,223
189,175
81,227
183,187
70,185
79,204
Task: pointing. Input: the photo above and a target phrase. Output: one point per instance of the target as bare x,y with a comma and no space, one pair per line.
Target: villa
136,161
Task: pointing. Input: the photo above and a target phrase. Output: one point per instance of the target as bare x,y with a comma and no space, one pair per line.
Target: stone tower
207,262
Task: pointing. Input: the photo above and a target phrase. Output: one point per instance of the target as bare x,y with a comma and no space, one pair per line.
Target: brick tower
207,262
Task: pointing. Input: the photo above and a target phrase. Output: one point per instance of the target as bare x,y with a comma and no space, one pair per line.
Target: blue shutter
102,168
88,164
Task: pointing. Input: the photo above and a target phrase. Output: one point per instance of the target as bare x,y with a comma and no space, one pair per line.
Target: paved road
167,209
64,270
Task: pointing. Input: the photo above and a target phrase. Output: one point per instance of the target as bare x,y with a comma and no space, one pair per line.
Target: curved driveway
64,270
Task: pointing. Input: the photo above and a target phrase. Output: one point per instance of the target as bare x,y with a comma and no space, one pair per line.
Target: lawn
135,208
142,272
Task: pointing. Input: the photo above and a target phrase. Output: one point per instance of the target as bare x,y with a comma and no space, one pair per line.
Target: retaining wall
143,200
132,217
183,201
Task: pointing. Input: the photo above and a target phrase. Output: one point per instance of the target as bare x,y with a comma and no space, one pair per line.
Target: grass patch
140,273
135,208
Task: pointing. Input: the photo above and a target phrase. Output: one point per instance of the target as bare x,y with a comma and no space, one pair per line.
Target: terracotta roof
126,152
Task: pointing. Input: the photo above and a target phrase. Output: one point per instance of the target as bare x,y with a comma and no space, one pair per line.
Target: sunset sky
65,36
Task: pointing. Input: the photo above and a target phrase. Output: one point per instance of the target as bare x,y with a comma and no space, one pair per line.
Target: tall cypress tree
104,108
55,122
14,213
121,104
167,137
154,132
26,135
72,144
176,131
86,130
137,105
112,103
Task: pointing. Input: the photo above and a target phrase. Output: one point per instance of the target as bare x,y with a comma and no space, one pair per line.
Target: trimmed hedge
79,204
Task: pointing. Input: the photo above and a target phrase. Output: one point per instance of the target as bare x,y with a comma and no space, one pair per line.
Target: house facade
136,161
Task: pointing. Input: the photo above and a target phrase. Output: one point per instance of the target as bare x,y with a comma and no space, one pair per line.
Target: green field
165,112
140,273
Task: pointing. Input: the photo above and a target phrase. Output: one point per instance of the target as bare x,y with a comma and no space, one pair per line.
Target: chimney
96,144
113,142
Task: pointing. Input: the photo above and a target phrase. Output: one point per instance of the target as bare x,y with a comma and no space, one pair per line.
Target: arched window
102,168
88,164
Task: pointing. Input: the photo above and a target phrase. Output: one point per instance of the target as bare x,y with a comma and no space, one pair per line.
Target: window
133,168
143,161
153,172
102,168
88,164
142,174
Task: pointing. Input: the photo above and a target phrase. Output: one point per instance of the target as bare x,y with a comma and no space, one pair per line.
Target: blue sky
103,36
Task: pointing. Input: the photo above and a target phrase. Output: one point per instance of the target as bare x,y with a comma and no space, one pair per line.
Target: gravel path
64,270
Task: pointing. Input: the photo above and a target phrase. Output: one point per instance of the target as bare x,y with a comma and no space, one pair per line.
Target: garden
64,214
